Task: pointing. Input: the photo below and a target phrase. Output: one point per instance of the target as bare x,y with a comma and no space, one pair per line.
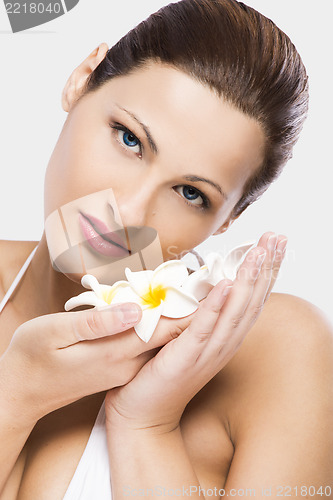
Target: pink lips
100,238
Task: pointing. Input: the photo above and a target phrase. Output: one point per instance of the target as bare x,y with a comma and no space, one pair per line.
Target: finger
193,340
242,291
127,343
91,324
279,256
269,242
229,331
166,330
272,263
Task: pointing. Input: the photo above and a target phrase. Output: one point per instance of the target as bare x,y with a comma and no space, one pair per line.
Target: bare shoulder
286,325
282,307
12,255
289,319
276,399
288,353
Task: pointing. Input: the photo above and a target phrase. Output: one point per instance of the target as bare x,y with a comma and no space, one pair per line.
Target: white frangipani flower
168,291
157,292
215,268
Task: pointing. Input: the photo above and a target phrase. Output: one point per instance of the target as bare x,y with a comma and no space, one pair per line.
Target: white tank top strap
16,280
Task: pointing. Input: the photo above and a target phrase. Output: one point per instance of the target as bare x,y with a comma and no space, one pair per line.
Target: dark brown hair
239,54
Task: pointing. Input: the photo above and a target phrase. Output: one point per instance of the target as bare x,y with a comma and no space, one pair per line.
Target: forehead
194,129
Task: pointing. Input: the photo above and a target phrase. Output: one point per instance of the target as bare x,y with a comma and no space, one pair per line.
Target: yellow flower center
154,296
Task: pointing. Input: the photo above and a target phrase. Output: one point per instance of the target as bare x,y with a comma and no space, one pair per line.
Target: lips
100,238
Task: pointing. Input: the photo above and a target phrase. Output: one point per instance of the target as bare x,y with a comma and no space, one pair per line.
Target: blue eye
127,138
193,196
190,193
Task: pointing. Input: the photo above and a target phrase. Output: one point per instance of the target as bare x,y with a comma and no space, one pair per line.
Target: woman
201,89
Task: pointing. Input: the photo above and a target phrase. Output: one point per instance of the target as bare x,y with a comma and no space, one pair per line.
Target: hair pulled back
240,54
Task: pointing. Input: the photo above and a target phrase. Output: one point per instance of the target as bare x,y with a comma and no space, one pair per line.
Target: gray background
35,67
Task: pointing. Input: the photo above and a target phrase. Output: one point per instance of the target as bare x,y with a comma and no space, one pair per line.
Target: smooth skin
248,392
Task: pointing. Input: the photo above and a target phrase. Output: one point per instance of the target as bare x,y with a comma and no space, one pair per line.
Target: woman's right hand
56,359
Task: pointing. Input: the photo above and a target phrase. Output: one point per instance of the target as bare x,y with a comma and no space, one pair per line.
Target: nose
136,204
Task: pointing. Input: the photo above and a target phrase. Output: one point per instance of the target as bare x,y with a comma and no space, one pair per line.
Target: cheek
179,232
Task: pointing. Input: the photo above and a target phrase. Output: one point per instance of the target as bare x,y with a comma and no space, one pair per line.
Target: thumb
103,321
60,330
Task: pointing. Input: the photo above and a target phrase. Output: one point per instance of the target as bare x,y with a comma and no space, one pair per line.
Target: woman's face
174,156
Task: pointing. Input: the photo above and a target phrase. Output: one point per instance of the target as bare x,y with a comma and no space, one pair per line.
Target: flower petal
150,317
139,280
109,292
119,284
84,299
170,273
126,294
234,259
178,304
215,264
197,284
89,281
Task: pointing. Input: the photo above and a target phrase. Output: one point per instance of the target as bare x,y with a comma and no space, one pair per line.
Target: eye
127,139
193,196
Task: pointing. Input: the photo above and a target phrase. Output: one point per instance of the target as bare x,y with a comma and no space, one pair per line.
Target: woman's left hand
159,393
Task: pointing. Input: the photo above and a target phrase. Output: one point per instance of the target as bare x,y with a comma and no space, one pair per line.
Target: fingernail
227,290
260,259
282,246
271,242
128,314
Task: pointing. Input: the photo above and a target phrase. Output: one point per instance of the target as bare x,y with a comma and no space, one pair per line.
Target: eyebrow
150,139
196,178
154,149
